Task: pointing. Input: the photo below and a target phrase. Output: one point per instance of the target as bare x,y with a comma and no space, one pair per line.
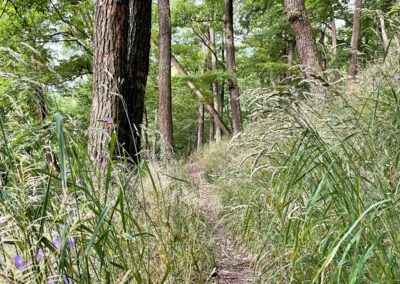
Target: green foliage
123,226
311,187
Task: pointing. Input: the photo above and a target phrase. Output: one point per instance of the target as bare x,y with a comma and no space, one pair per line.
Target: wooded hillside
199,141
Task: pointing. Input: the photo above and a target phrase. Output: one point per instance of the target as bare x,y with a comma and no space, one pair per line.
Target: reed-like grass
312,186
119,225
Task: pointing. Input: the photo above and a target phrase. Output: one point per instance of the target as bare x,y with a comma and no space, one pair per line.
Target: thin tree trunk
231,67
164,75
154,152
334,37
322,43
189,149
222,93
291,51
146,145
212,128
272,78
384,34
205,69
121,61
209,107
355,38
155,138
218,132
200,127
305,41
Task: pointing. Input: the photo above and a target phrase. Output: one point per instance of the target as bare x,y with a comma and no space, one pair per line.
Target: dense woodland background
120,119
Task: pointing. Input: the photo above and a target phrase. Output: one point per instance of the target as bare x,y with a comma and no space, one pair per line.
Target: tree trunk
231,67
220,109
200,127
154,152
384,34
334,37
323,53
146,144
272,78
212,129
305,41
218,120
121,62
291,51
189,149
164,76
354,38
218,132
205,69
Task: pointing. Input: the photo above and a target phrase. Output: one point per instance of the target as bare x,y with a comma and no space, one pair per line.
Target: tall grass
122,225
312,186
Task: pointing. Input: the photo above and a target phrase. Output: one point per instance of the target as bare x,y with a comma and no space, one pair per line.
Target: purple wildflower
78,184
19,262
104,163
396,77
68,174
107,156
98,258
51,281
57,240
67,279
40,255
57,243
71,242
108,119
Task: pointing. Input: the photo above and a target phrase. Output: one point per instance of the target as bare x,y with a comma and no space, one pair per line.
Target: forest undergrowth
123,224
311,187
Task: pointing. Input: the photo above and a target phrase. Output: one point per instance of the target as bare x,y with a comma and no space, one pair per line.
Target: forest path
234,266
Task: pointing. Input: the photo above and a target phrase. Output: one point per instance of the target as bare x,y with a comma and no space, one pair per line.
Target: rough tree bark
354,38
218,120
200,127
231,66
164,76
384,34
121,62
305,41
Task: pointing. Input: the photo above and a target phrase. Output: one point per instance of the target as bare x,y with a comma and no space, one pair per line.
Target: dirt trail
233,265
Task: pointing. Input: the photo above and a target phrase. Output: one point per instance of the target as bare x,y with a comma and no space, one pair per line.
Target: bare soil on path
233,264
